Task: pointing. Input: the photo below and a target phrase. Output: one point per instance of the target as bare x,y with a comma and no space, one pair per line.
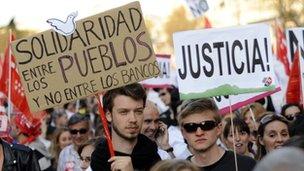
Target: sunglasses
86,159
81,131
254,133
271,117
205,126
162,94
290,118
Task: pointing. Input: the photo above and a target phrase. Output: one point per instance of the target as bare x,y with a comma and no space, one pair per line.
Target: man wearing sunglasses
201,127
80,129
133,151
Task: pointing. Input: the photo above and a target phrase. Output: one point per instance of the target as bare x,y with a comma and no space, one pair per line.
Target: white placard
227,61
198,7
164,78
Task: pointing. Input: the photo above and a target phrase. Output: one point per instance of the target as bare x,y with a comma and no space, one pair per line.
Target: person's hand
121,163
162,138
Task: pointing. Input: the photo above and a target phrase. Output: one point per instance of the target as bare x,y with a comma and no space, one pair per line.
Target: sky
32,14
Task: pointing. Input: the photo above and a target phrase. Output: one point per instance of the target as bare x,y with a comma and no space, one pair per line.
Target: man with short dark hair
124,109
80,129
200,125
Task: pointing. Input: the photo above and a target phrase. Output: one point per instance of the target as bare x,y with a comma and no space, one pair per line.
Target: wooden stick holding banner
253,118
9,110
301,54
233,136
105,126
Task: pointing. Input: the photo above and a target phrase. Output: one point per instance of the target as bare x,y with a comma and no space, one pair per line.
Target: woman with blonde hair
272,134
62,138
174,165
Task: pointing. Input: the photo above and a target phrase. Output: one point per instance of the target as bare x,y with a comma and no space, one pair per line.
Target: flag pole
9,111
233,136
301,55
105,126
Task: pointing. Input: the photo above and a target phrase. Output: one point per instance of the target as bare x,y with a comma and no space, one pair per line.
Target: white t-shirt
69,159
176,140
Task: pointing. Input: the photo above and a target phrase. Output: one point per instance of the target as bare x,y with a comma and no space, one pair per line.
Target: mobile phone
159,132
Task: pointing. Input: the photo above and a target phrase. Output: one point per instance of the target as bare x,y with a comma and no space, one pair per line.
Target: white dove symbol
65,28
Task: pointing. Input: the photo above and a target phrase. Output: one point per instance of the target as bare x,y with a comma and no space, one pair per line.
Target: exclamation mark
266,50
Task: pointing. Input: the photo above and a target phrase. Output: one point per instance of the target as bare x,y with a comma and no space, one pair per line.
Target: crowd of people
152,129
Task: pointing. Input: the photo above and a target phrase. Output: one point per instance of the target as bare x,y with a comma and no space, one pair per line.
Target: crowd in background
66,138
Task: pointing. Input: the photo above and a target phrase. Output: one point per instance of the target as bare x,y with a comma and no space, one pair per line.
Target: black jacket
18,158
226,162
144,155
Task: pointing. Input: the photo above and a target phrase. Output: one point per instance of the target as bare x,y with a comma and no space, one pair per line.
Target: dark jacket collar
9,157
144,154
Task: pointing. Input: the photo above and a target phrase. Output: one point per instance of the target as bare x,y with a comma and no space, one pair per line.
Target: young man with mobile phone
156,130
201,127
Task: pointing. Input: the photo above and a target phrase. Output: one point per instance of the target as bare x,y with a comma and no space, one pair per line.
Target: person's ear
91,134
225,141
182,130
17,130
219,129
109,116
260,139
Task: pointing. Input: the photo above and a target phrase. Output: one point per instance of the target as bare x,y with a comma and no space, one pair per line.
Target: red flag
30,127
18,98
282,49
207,23
294,89
1,65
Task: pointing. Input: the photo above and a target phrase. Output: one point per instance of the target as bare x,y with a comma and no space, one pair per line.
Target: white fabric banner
214,62
198,7
164,78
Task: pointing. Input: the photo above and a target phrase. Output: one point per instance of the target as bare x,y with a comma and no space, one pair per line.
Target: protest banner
198,7
240,100
164,77
106,51
295,46
294,37
224,61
